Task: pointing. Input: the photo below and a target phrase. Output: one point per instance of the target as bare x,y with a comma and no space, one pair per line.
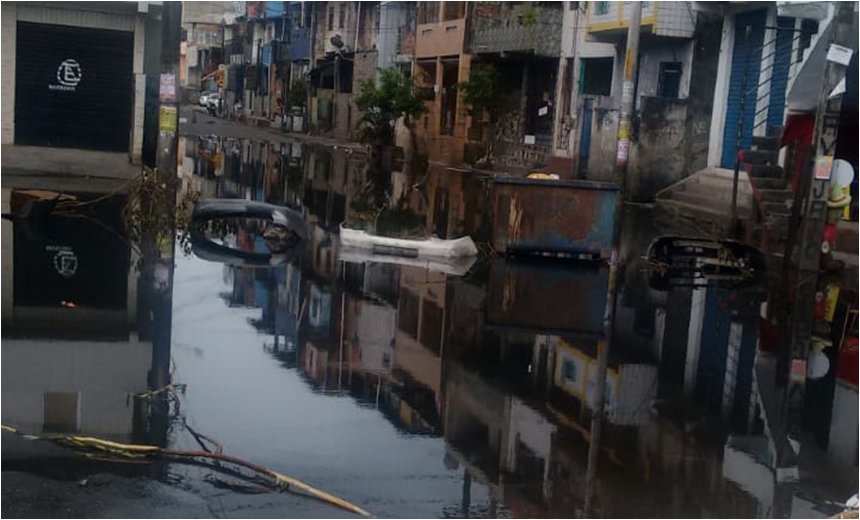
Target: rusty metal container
546,297
553,216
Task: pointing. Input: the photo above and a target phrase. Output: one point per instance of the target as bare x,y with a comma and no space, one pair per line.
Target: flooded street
410,388
423,390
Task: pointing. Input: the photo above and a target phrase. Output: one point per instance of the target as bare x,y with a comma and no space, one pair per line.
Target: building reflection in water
74,351
498,359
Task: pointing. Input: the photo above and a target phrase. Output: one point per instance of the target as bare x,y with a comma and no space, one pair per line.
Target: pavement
41,480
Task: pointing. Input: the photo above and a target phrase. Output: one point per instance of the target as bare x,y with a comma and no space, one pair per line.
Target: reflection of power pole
467,494
628,102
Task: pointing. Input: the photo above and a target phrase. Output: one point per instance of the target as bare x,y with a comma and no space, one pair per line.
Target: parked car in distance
203,100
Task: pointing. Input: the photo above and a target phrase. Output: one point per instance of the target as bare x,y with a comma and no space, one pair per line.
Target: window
330,17
341,15
669,84
595,76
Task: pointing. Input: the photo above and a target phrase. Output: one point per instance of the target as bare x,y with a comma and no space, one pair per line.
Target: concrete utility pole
628,102
817,186
166,164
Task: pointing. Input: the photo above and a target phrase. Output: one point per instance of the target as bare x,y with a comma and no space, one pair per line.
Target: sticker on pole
823,167
167,87
623,150
167,119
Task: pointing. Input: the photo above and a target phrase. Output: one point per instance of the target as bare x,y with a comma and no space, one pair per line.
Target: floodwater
408,388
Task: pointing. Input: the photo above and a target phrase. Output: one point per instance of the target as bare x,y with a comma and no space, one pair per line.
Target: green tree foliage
298,93
482,89
383,103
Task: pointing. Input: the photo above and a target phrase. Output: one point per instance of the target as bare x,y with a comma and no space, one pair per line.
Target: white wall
741,467
375,329
649,66
6,252
694,340
8,37
721,92
102,373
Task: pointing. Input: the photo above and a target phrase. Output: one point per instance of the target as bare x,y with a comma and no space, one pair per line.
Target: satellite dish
222,67
337,41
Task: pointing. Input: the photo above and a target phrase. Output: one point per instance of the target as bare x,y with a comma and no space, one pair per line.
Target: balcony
608,21
515,27
440,39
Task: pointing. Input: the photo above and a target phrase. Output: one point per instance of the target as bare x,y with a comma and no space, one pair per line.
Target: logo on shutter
68,76
66,263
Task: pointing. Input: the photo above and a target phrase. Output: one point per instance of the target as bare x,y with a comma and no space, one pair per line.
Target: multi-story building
204,27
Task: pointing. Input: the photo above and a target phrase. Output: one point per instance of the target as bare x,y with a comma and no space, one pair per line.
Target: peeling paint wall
661,147
604,137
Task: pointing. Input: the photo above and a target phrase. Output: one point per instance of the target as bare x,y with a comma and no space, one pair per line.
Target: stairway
772,195
704,201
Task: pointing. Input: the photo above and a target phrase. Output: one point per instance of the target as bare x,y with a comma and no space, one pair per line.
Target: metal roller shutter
746,54
74,87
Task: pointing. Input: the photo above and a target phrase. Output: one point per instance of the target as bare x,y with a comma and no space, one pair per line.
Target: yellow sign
221,79
167,119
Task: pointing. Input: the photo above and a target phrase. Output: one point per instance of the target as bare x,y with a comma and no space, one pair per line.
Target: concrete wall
6,258
440,39
842,449
604,139
423,365
397,19
364,68
500,28
661,159
702,89
8,37
655,52
103,374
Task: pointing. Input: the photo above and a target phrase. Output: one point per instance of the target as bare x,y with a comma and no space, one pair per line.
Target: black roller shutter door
81,260
73,87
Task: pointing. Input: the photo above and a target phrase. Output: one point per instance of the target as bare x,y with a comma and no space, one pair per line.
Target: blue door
746,57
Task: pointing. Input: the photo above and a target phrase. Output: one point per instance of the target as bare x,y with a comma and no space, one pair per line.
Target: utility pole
166,163
805,262
628,102
817,187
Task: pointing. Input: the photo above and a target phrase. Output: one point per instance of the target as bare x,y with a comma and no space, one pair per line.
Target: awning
318,71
